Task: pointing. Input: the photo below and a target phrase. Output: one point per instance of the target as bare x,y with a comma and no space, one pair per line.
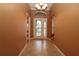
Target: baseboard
22,50
59,50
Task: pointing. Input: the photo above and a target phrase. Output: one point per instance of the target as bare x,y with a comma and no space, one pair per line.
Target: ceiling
32,5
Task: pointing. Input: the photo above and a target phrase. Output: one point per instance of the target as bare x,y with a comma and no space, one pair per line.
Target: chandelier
41,6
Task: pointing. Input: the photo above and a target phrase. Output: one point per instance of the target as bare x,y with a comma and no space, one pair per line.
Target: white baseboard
59,50
22,50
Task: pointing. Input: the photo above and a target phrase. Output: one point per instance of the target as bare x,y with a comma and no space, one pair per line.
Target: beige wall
67,28
49,24
12,28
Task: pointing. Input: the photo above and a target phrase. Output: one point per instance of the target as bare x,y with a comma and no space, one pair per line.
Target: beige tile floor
40,48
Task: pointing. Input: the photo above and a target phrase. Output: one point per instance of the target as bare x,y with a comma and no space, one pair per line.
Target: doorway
40,28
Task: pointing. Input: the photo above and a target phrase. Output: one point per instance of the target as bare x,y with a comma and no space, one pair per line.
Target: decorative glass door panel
40,27
45,28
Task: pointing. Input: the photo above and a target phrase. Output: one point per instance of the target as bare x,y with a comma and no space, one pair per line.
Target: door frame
34,31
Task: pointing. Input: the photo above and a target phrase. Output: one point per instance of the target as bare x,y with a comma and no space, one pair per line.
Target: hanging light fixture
41,6
44,6
37,6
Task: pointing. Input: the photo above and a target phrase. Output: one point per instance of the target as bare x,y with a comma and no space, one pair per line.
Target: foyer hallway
40,47
21,22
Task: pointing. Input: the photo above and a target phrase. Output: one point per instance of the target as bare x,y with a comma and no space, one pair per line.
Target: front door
40,27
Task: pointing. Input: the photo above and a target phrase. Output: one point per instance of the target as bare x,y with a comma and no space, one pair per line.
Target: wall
31,25
49,24
12,28
67,28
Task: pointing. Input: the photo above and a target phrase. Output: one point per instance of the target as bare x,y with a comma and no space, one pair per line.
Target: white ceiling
32,5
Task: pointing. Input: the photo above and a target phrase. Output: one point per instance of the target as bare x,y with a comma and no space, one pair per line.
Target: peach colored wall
31,24
49,24
67,28
12,28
